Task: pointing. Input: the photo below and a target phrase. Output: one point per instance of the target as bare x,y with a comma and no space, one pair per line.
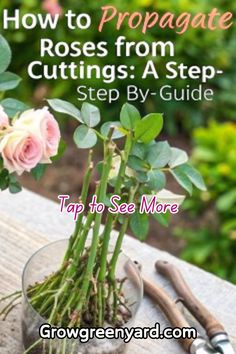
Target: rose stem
64,346
108,154
79,242
108,228
120,238
49,299
84,195
11,295
3,311
27,351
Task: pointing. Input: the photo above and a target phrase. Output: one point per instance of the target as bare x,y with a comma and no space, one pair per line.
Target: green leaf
182,179
194,176
139,150
38,171
128,183
166,196
90,114
15,187
139,224
228,226
186,175
156,180
141,177
200,252
162,218
129,116
12,106
178,157
159,154
5,54
107,200
149,127
137,164
1,165
118,130
60,152
227,200
12,178
205,154
65,107
8,81
4,179
121,219
112,181
85,137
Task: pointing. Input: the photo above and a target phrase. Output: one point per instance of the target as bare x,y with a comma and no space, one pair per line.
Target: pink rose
21,151
4,120
42,124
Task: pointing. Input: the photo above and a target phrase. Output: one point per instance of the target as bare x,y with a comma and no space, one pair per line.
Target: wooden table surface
28,221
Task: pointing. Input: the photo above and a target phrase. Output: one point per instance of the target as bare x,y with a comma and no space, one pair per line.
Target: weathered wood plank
28,222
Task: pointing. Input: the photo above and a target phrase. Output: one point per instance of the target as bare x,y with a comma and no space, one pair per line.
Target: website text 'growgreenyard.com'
46,331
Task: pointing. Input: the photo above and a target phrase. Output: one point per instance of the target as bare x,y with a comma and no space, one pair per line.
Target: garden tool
215,331
192,345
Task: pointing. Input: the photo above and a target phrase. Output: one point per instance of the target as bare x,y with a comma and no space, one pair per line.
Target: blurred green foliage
199,47
212,244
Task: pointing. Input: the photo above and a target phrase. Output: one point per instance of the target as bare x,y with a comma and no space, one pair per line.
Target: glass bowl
46,261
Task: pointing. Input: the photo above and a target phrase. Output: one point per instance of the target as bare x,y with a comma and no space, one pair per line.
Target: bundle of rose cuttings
85,290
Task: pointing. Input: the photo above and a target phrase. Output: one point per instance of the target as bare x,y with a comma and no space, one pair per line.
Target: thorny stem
84,195
80,241
110,217
108,152
85,190
107,231
120,238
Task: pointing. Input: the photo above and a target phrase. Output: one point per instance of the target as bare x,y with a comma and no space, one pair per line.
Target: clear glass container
47,260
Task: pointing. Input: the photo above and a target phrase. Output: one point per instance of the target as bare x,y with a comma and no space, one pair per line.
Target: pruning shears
218,341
